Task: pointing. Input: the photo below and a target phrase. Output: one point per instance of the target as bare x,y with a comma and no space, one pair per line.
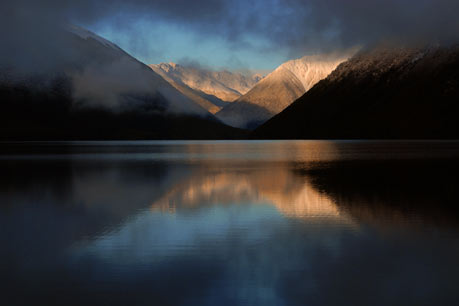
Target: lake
229,223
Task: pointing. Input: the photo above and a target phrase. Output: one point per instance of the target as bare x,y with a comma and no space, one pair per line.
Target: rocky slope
379,93
224,85
209,102
277,90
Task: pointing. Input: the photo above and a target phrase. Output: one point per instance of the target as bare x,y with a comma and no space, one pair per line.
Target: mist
35,42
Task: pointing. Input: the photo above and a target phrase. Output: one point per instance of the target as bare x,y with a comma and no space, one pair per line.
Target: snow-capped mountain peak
279,89
225,85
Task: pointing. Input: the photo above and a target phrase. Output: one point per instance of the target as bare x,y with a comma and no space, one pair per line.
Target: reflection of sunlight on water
215,209
221,151
259,223
258,220
292,195
306,151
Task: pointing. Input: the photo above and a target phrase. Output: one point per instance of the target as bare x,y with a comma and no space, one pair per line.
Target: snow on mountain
81,86
224,85
311,69
109,77
384,92
279,89
211,103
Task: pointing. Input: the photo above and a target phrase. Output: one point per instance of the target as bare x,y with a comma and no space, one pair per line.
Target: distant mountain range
383,93
86,87
210,89
277,90
92,89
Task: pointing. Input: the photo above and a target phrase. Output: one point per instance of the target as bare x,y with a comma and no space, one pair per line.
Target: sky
169,42
236,34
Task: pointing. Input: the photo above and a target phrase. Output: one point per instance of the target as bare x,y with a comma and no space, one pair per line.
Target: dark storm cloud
332,22
301,25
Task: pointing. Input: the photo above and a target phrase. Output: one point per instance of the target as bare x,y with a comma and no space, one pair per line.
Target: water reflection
264,223
409,193
293,196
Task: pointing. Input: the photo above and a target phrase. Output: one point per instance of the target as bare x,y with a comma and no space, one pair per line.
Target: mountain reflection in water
230,223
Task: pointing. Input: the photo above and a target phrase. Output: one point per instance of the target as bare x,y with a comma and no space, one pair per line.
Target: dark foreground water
229,223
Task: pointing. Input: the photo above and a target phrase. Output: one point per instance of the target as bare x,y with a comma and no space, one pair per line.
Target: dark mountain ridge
382,93
92,89
51,114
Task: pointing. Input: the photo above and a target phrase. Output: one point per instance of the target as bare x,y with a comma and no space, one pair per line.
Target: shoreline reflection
264,223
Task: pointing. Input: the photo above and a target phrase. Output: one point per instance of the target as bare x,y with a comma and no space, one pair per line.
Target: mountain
277,90
88,88
217,87
211,103
382,93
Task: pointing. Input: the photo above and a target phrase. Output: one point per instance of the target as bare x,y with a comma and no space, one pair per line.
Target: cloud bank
301,26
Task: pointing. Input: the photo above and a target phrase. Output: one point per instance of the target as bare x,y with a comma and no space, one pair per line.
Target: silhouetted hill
85,87
380,93
33,114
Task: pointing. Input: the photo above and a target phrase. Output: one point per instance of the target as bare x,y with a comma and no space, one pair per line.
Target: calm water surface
229,223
